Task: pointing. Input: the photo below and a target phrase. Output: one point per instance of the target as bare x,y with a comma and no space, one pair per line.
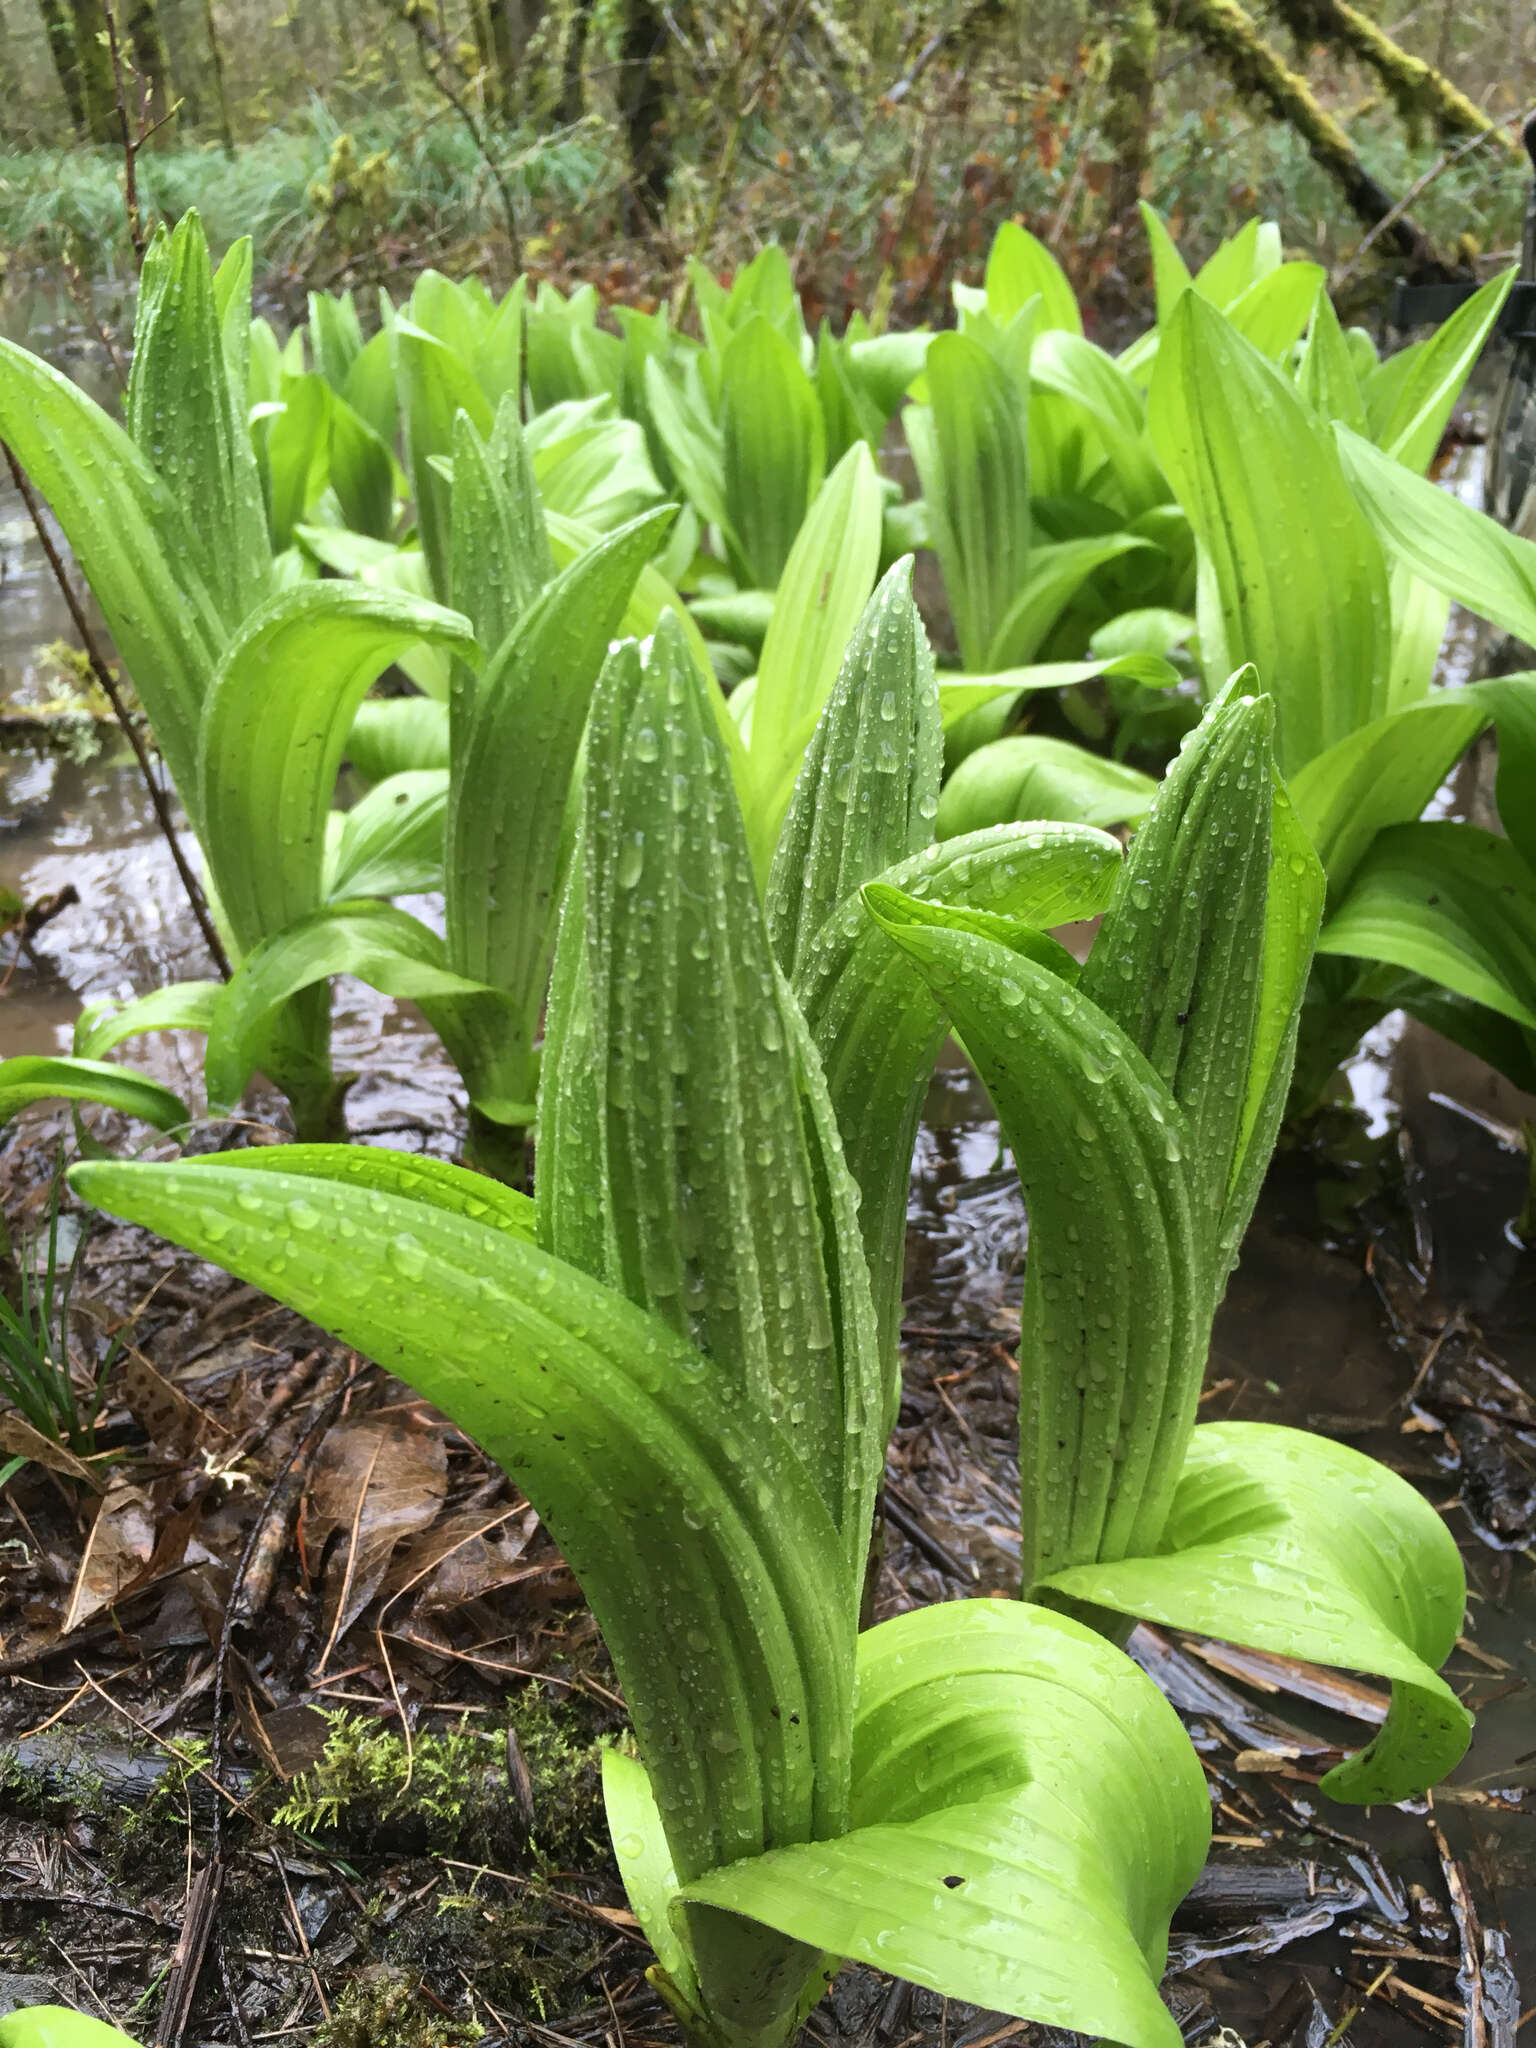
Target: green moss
384,2009
455,1789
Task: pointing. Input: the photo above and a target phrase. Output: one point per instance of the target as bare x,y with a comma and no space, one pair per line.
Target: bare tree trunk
60,32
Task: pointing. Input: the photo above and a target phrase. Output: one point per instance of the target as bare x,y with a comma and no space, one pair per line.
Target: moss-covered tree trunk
216,71
1127,121
1228,34
77,38
59,30
1416,89
146,44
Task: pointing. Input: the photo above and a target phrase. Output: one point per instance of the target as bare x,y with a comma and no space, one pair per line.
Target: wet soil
1384,1297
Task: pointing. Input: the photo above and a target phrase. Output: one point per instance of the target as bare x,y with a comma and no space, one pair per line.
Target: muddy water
1353,1268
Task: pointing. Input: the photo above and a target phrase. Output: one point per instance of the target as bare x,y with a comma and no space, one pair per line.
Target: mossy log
1228,33
1419,92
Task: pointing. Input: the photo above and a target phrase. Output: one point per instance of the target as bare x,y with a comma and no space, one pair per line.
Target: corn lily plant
1064,452
1430,917
249,678
674,1347
1141,1096
683,1346
56,2026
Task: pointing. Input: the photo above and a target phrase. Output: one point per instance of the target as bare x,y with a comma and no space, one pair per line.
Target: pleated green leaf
1284,1541
826,583
773,448
504,823
398,736
1382,774
1452,546
1449,901
878,1027
1326,376
1117,1305
390,950
1424,400
867,791
972,456
1057,572
131,541
410,1174
1019,268
501,555
183,1006
1178,961
273,732
30,1078
1292,576
681,1150
435,385
1025,777
711,1565
189,422
391,841
1027,1812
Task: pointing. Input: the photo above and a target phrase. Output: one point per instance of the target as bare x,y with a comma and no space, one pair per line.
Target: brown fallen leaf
119,1546
463,1557
21,1440
377,1481
173,1423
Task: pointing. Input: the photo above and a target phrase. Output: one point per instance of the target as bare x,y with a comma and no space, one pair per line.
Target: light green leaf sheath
273,732
55,2026
1117,1301
33,1078
713,1570
1027,1812
385,947
1449,901
1287,1542
878,1026
1292,576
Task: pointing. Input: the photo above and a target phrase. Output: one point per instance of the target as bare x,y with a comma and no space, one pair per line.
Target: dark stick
110,691
130,146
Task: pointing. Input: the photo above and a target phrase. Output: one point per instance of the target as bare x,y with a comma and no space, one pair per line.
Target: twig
191,1953
130,146
1421,185
108,684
